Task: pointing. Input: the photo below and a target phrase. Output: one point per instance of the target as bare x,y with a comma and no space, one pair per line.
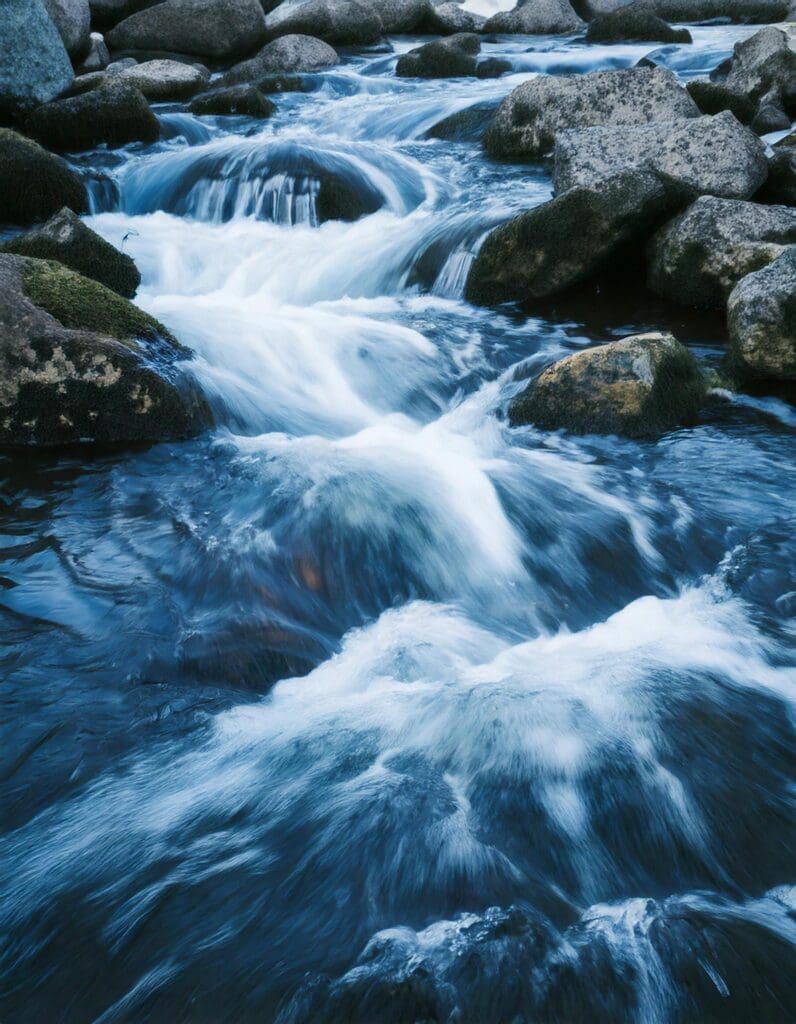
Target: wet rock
166,80
710,155
745,11
712,98
448,19
97,58
246,100
338,22
530,116
68,240
770,117
204,28
699,257
780,186
72,18
764,62
291,54
454,57
401,16
115,113
634,23
80,364
640,386
761,316
337,200
464,126
34,184
551,248
34,64
536,17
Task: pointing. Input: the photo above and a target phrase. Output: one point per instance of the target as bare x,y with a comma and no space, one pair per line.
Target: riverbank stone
337,22
289,55
535,17
34,184
452,57
219,29
761,318
634,23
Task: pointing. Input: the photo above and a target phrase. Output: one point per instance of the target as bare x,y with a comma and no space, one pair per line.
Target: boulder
528,119
34,64
338,22
761,318
246,100
288,55
699,257
34,184
450,18
107,13
68,240
710,155
757,12
204,28
551,248
634,23
535,17
639,387
764,62
453,57
115,113
770,117
97,58
80,364
780,186
401,16
163,81
466,125
72,18
712,98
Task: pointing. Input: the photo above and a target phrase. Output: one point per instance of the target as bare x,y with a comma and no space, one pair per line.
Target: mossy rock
68,240
638,387
34,184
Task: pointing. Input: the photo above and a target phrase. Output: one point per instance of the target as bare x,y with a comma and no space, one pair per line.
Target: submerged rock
699,257
338,22
634,23
34,64
246,100
68,240
761,316
34,184
453,57
712,98
163,81
466,125
528,119
710,155
203,28
79,364
290,54
557,245
640,387
115,113
536,17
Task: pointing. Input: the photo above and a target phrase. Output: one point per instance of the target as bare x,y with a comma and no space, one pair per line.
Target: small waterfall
452,277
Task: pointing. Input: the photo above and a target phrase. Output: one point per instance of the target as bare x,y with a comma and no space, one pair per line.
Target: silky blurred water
365,706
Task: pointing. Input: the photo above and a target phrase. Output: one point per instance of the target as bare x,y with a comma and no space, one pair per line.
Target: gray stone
757,12
710,155
80,364
34,64
203,28
561,243
763,62
780,186
635,23
34,184
72,18
166,80
97,58
713,98
761,318
640,387
770,117
291,55
107,13
401,16
246,100
449,18
531,115
338,22
452,57
536,17
699,257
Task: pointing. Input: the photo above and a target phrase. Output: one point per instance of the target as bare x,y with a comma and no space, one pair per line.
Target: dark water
366,707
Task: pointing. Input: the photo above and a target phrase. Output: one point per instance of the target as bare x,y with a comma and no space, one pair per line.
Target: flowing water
365,706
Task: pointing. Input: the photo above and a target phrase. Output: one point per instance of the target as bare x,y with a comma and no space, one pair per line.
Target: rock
72,18
163,81
288,83
492,67
246,100
80,364
553,247
712,98
764,62
699,257
401,16
68,240
34,184
97,58
770,117
710,155
337,200
761,317
640,387
115,113
745,11
780,186
338,22
528,119
453,57
536,17
450,18
464,126
204,28
293,54
35,67
107,13
634,23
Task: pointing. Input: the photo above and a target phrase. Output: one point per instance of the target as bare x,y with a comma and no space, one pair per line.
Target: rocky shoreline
667,187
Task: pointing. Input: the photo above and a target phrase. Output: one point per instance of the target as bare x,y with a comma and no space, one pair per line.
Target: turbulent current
367,707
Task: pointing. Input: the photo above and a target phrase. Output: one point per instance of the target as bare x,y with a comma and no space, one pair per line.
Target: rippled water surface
367,707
